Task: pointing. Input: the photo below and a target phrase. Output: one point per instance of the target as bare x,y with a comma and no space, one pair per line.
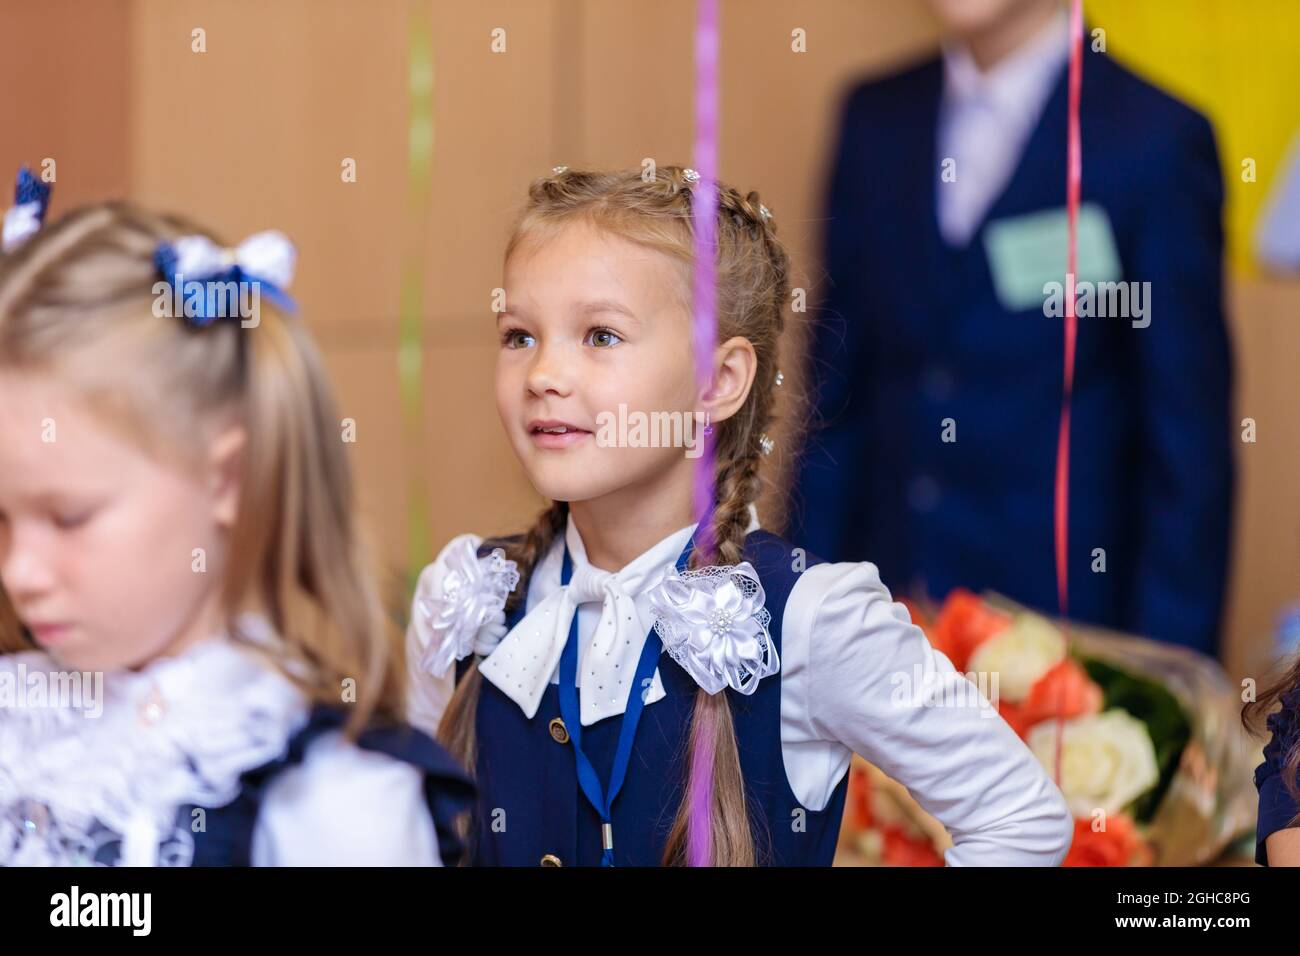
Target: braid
456,730
530,549
738,484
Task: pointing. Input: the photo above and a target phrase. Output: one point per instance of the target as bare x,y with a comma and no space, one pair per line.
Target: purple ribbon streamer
704,208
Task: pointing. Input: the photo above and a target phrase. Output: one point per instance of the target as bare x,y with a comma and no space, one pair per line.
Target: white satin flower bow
269,256
464,613
713,623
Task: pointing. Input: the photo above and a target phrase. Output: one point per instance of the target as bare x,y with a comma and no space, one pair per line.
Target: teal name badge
1027,252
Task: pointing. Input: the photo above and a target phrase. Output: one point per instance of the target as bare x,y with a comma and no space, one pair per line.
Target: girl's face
97,540
593,322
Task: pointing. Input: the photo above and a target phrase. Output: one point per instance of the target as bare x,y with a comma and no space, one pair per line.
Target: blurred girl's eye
516,339
66,521
603,338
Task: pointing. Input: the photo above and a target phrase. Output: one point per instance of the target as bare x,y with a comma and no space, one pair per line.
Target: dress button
550,860
559,732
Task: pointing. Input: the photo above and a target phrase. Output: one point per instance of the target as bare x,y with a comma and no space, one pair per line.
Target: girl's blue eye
603,338
516,339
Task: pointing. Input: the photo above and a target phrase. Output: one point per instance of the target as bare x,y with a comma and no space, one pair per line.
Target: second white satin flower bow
713,623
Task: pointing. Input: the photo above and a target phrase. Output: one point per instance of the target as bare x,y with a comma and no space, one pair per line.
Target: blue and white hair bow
265,258
23,220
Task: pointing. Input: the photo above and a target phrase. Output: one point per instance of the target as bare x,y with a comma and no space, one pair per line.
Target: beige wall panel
63,66
252,133
1266,560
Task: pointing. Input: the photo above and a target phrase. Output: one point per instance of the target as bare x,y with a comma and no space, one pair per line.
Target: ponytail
296,510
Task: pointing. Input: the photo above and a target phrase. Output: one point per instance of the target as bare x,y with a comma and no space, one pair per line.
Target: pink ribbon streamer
1073,179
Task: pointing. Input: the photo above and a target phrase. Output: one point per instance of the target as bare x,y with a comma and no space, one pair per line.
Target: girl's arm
426,695
862,671
1284,847
344,806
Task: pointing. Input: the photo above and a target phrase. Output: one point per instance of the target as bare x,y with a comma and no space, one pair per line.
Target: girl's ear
734,367
225,460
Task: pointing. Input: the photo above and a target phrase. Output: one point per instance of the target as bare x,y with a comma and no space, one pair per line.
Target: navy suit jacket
912,333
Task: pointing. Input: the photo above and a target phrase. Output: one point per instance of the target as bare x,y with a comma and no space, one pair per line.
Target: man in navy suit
938,358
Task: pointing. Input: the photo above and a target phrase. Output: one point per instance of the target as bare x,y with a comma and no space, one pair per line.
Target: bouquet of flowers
1143,739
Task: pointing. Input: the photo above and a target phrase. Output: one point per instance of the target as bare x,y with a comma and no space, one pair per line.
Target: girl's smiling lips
553,433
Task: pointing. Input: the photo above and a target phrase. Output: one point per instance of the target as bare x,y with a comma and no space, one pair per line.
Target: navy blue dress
1277,807
228,838
530,808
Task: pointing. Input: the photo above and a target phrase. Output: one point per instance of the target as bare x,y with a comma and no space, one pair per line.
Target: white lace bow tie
522,664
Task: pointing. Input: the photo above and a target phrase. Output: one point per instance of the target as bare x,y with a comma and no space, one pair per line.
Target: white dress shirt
1277,239
985,120
839,695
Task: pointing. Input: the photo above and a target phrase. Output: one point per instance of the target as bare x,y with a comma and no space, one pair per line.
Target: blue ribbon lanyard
600,798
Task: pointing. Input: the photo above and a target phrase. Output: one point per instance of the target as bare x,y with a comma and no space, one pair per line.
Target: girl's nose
23,573
549,373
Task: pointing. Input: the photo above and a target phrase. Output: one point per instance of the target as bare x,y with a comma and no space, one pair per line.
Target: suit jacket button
559,732
924,494
937,383
550,860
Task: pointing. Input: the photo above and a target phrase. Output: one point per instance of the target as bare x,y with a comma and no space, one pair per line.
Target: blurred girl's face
99,543
592,322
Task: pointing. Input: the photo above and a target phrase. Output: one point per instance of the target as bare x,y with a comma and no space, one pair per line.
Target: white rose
1107,760
1020,654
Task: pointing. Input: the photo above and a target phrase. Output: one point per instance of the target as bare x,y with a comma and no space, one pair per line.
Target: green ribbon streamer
410,354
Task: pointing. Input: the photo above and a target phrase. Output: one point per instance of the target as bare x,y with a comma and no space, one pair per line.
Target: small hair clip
559,170
691,176
766,444
780,376
265,259
764,212
25,217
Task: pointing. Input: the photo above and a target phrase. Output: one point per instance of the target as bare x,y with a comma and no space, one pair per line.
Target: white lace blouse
95,769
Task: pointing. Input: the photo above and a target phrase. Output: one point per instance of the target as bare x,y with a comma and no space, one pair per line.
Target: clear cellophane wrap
1211,799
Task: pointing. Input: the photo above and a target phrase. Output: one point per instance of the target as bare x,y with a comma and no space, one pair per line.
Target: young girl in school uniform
538,656
1276,712
198,670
